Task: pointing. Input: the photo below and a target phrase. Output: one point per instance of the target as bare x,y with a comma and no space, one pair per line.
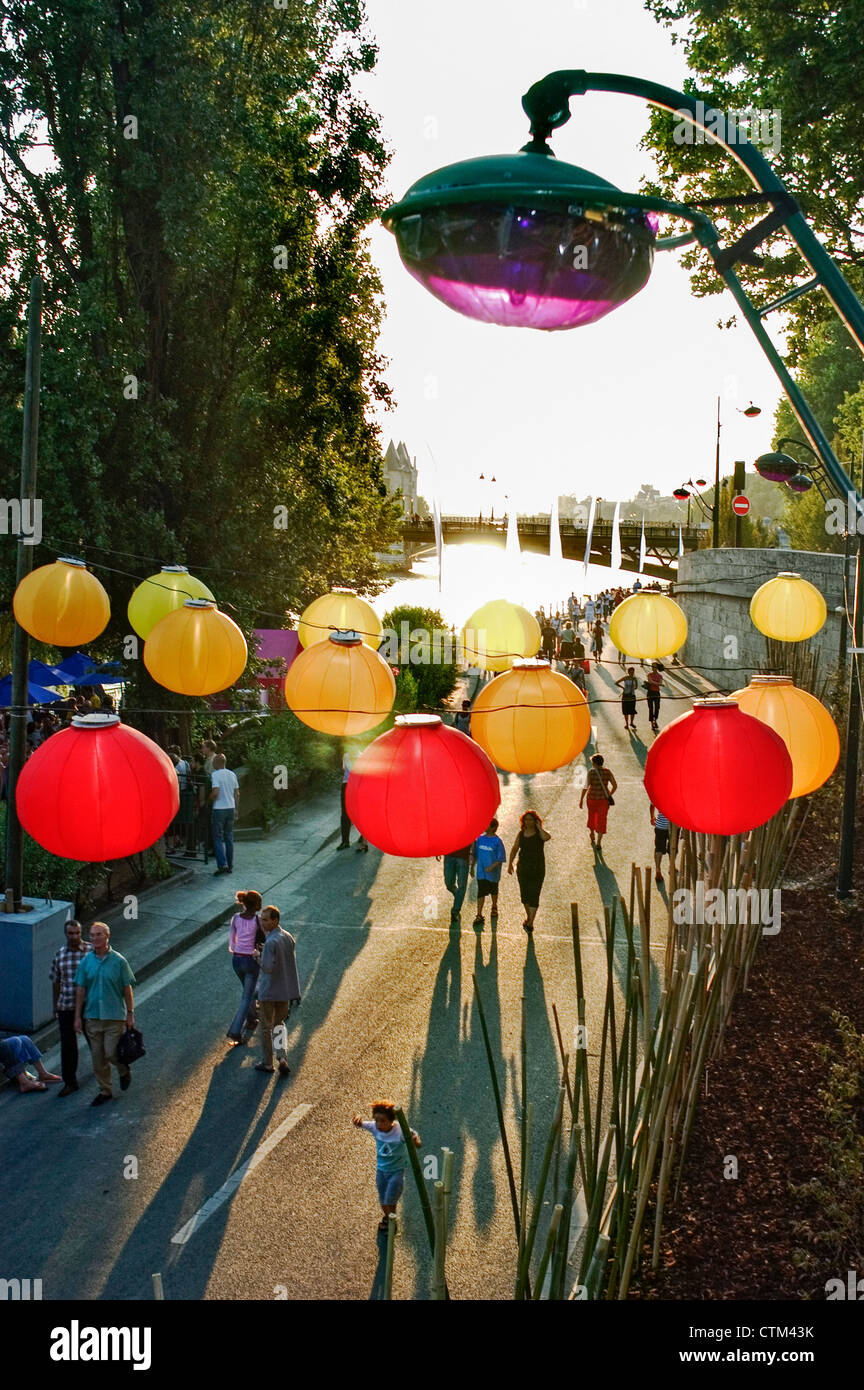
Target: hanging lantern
339,611
97,791
788,608
421,789
196,650
802,722
63,604
340,686
648,625
161,594
497,634
531,719
718,770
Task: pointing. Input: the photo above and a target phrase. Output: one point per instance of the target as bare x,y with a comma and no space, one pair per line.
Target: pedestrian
590,613
548,638
652,685
17,1052
661,840
224,802
347,764
567,644
463,719
245,935
208,753
487,856
531,865
104,1007
599,788
278,989
629,685
456,868
597,640
391,1154
64,968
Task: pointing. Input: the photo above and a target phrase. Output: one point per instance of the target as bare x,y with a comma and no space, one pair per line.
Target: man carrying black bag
278,990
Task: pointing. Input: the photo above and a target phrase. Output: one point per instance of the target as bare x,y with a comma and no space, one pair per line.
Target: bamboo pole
551,1236
388,1259
496,1090
418,1178
525,1263
440,1241
158,1291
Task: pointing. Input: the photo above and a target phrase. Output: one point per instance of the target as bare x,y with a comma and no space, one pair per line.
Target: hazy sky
602,408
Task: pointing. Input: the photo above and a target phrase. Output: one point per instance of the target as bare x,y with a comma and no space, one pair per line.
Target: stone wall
714,588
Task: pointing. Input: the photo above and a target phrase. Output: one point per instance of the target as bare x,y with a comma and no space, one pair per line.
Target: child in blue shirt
487,856
391,1152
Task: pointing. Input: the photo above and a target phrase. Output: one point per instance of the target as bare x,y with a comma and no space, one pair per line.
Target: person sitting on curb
17,1052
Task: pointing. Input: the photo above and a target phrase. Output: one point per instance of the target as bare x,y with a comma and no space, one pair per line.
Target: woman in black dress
531,865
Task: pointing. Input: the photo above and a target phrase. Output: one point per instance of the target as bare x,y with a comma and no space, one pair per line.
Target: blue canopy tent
44,675
80,669
36,694
75,665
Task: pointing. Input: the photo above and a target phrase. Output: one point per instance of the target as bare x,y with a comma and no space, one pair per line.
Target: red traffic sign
741,504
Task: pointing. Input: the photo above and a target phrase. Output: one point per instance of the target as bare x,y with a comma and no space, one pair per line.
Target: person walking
64,968
17,1052
456,866
600,786
652,685
348,760
244,935
391,1154
567,644
278,988
590,613
104,1008
597,639
529,853
548,638
224,803
487,856
661,840
629,685
463,719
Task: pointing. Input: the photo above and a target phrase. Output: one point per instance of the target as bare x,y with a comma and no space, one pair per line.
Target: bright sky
602,408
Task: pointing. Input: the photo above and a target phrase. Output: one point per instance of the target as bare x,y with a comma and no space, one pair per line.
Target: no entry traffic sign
740,505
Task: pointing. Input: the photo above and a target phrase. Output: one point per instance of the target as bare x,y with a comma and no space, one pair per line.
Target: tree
211,309
421,639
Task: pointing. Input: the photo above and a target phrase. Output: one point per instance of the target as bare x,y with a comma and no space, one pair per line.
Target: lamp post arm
547,104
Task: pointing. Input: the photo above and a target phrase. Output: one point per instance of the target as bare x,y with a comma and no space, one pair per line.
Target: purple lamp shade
525,267
800,483
776,468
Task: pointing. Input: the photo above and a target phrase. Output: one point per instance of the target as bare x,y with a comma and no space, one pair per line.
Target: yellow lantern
340,686
789,608
196,650
648,625
62,604
339,611
161,594
804,725
497,634
531,719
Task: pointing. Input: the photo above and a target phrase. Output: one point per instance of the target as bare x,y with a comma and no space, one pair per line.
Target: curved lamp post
526,240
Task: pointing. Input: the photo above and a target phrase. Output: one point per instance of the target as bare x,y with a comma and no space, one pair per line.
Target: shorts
661,841
628,705
597,813
389,1186
487,887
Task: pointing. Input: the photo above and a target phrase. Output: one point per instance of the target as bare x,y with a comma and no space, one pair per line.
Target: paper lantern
340,686
788,608
531,719
339,611
196,650
648,625
161,594
718,770
63,604
497,634
421,789
97,791
804,725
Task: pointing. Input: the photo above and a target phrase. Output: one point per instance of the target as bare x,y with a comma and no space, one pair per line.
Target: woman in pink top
241,944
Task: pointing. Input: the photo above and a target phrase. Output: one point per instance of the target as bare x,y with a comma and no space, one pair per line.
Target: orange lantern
340,686
196,650
802,722
531,719
62,604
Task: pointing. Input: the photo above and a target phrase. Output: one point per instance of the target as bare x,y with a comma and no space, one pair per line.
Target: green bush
283,756
435,677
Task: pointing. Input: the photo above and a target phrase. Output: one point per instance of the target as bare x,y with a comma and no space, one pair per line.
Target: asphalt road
101,1199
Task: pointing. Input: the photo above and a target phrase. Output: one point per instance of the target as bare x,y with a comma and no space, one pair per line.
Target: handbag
131,1046
586,665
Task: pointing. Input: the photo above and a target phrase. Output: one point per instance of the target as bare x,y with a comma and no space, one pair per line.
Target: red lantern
718,770
421,789
97,791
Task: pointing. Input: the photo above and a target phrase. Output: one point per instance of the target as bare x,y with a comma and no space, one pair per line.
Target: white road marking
230,1187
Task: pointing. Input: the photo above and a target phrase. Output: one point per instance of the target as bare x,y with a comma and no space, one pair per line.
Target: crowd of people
47,720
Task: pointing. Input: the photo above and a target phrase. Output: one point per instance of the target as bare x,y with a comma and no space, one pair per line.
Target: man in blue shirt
487,856
103,1001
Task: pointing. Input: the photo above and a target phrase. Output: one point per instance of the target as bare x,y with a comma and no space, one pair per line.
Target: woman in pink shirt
241,943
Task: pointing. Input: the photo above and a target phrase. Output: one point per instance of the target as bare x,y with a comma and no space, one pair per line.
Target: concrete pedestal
28,941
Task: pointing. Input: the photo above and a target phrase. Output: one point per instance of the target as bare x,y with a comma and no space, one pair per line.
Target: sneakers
259,1066
217,873
101,1099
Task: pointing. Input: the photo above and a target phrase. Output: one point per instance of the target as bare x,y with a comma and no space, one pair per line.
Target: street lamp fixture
777,467
751,411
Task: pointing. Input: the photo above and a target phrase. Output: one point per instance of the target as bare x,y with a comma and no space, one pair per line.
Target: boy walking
391,1153
487,856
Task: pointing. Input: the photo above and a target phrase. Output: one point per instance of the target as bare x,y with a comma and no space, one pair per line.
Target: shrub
436,679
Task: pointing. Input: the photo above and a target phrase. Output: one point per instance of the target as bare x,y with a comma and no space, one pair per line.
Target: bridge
661,539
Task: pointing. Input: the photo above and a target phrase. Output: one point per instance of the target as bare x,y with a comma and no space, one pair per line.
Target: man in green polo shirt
103,1000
